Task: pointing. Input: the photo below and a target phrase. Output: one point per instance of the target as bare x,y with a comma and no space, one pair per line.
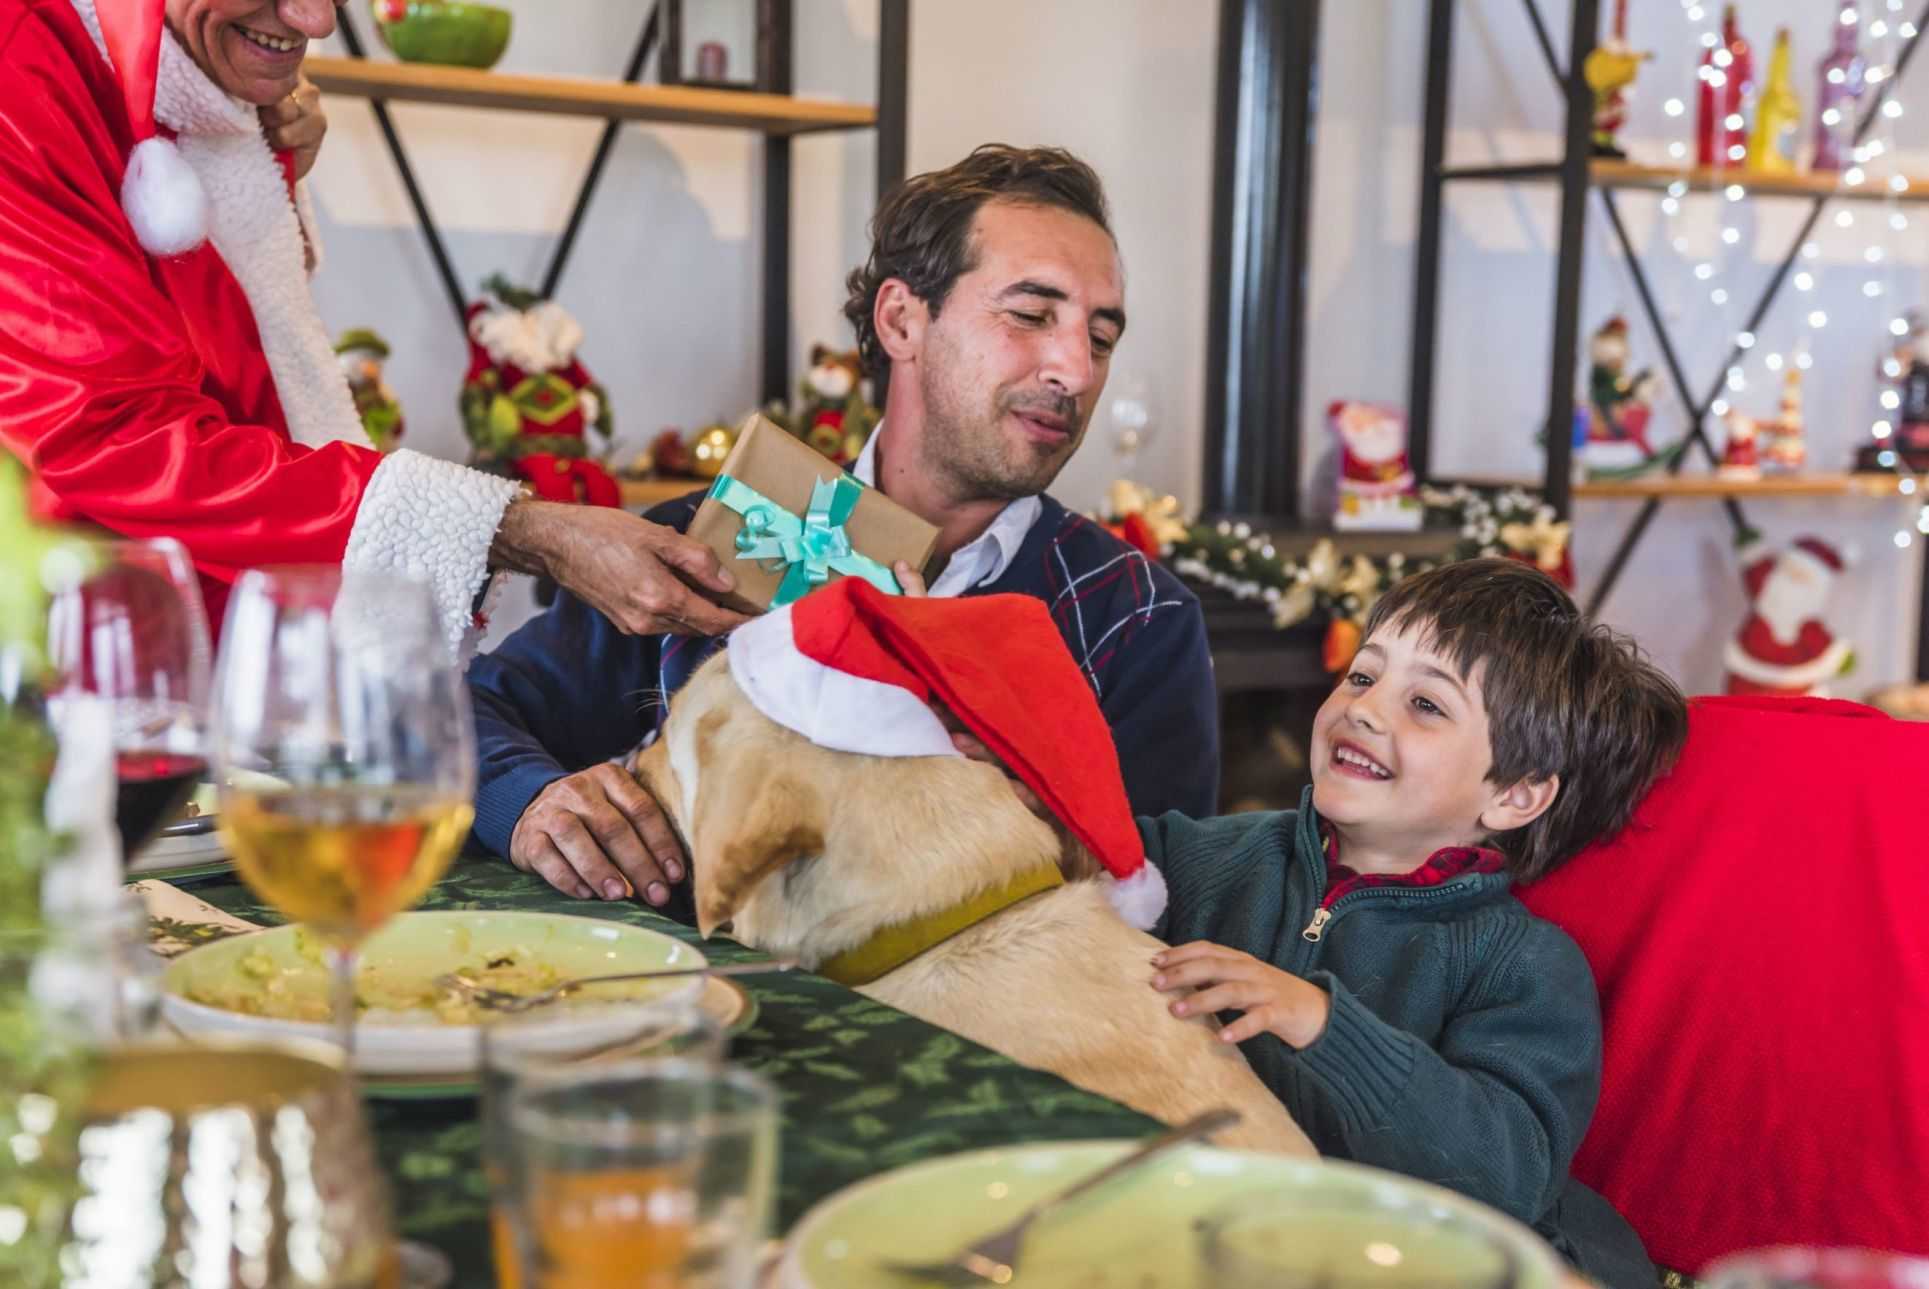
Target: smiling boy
1408,1010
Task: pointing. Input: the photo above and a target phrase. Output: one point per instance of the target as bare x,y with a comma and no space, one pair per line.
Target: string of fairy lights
1881,221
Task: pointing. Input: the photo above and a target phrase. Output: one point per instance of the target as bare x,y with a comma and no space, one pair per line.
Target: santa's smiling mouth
272,44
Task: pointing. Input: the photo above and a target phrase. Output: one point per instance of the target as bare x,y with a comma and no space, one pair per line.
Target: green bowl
451,32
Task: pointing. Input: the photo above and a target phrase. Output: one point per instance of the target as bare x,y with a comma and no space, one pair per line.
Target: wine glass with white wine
344,751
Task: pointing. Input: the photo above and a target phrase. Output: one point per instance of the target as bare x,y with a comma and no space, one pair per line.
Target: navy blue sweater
568,690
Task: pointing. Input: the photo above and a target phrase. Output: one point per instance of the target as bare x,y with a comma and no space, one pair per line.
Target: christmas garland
1322,584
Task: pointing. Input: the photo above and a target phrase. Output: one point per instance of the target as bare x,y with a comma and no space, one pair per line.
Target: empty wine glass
1130,419
129,631
345,753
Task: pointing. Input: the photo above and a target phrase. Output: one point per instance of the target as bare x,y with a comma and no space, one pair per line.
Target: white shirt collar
983,559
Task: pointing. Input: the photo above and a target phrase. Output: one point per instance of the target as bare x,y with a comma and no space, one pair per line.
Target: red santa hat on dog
160,192
851,668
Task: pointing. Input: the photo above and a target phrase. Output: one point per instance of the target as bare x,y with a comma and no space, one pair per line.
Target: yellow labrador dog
806,852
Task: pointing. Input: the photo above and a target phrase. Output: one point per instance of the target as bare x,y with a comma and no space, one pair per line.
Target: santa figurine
362,353
1619,404
528,404
1740,458
836,417
1609,72
1784,648
1377,490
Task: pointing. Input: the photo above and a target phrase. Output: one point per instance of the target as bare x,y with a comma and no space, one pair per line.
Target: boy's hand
1275,1001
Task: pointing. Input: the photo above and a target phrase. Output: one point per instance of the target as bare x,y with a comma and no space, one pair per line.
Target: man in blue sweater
991,303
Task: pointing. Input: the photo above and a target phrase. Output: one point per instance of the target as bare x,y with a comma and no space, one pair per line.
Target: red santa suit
191,393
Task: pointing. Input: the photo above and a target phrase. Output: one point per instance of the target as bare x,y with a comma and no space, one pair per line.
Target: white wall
665,275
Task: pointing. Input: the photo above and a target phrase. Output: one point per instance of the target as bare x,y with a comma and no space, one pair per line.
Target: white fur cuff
432,520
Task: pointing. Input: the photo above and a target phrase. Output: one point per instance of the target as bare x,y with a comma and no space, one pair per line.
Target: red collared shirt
1443,865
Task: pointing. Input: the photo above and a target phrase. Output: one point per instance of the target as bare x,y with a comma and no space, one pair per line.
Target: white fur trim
163,199
1826,665
831,708
253,225
535,339
1140,898
433,520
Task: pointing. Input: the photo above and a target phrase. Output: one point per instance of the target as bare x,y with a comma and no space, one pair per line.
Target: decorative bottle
1720,137
1840,78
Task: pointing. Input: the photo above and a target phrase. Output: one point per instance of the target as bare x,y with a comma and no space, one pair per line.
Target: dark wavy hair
921,232
1564,696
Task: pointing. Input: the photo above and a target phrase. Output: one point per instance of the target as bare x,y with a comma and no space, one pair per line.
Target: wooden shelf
1624,174
1685,486
641,494
577,96
1869,485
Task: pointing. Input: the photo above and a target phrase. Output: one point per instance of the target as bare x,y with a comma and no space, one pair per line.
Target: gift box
784,520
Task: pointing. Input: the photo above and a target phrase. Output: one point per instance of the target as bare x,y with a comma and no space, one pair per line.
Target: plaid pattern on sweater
568,690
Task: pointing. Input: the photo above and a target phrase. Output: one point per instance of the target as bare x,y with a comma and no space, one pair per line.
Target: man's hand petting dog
598,834
1275,1002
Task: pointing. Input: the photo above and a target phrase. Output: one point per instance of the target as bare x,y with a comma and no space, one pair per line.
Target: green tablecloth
865,1087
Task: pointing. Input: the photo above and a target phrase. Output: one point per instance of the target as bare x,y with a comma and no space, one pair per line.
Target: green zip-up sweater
1464,1042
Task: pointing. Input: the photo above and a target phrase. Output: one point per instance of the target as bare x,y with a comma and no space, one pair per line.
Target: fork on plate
994,1259
502,1000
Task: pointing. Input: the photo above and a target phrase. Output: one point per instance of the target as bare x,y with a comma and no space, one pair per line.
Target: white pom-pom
163,199
1140,898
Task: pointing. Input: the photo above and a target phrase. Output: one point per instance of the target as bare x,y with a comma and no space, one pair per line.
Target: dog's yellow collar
896,945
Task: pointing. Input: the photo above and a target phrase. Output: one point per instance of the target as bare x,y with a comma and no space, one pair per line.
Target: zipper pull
1317,927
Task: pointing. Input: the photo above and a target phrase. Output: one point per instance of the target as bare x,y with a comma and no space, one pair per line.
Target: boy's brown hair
1564,696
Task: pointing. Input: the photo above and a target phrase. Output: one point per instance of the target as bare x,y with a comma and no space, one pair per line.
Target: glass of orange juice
344,752
591,1028
651,1174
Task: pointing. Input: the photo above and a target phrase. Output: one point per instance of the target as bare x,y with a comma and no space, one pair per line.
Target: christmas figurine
527,404
1376,485
362,354
1727,78
1913,383
1619,404
1771,149
1784,648
1784,445
837,416
1610,69
1840,79
1904,374
1739,456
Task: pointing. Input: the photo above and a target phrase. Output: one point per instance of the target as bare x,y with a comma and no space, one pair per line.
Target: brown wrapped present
784,520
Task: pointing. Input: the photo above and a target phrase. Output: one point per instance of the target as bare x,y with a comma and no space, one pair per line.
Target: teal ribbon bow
811,546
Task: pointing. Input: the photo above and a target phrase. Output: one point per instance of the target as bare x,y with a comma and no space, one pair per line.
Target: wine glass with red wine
130,632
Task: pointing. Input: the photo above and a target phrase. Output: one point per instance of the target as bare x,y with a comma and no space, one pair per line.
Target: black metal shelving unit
1577,174
775,22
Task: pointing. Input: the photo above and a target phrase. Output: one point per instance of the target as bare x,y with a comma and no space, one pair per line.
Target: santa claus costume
164,370
1784,648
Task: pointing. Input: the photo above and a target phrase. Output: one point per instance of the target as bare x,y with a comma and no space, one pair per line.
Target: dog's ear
750,823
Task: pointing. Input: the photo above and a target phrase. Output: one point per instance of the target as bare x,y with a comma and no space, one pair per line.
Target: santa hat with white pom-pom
856,670
160,192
